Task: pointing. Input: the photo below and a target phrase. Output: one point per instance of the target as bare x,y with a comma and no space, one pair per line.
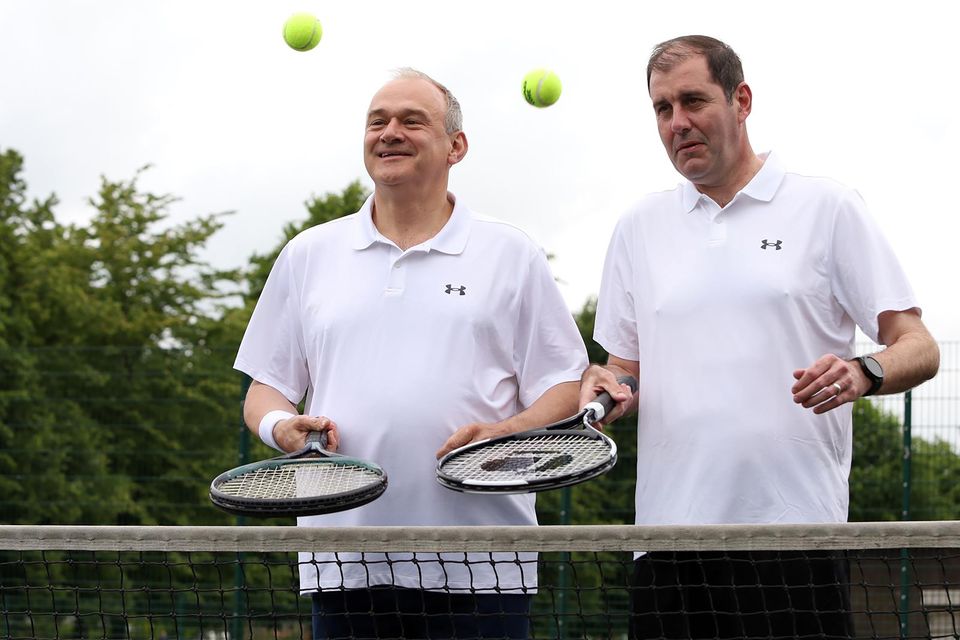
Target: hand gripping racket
307,482
557,455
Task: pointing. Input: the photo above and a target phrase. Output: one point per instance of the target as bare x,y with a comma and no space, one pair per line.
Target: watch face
873,367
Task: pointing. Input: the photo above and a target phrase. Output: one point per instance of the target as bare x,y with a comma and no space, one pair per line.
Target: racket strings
536,458
300,480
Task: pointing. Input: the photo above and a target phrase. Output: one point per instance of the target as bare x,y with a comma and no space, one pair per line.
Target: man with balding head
410,328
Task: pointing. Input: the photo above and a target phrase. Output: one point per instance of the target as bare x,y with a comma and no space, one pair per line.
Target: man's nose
680,123
392,132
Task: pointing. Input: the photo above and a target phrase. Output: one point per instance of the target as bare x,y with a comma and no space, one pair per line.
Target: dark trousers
393,612
755,594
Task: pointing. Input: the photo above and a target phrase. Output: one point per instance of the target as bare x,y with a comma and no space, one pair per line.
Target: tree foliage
875,475
103,326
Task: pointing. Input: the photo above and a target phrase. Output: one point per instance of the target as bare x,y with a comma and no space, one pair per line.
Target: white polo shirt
400,349
720,307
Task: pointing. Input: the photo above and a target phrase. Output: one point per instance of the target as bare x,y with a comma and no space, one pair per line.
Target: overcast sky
231,119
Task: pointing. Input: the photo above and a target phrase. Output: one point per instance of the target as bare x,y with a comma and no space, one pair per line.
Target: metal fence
185,407
929,419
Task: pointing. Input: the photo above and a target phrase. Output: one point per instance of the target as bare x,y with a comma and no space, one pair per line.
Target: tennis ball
541,87
302,31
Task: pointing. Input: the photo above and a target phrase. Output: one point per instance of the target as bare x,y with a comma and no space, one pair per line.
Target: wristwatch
873,371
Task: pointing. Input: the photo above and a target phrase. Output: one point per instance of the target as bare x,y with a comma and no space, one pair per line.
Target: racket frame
313,453
580,424
533,485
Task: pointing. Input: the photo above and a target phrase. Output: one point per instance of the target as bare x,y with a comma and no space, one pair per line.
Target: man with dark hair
734,299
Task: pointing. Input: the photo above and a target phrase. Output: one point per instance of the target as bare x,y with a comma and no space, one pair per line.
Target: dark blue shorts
395,612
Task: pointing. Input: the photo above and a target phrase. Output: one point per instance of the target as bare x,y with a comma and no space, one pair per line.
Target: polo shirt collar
762,187
451,239
765,184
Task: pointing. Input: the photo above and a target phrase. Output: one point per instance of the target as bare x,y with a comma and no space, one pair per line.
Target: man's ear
743,97
458,148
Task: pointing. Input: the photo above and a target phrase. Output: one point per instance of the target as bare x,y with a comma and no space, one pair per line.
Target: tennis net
244,582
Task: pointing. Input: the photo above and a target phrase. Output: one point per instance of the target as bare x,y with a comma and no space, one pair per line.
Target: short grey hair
453,119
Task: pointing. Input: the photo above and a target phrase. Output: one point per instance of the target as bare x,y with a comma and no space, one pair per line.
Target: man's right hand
597,379
291,434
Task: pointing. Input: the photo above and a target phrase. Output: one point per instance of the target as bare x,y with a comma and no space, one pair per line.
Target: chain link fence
114,436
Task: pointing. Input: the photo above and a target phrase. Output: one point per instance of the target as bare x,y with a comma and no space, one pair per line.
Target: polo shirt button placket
396,277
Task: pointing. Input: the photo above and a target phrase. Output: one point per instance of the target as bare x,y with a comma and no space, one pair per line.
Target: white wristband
267,424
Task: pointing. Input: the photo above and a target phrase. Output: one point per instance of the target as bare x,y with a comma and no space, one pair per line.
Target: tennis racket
307,482
557,455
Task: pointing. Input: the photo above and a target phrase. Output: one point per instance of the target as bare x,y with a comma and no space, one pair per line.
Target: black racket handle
605,402
630,381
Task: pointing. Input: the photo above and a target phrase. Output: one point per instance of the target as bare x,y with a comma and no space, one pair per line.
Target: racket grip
317,437
603,403
630,381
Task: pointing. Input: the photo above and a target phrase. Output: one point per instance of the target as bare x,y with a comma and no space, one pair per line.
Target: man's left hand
830,382
472,433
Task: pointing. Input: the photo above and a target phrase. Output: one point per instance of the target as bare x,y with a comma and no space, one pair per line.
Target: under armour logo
462,289
776,245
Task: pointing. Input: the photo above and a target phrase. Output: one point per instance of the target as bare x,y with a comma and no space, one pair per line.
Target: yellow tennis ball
302,31
541,87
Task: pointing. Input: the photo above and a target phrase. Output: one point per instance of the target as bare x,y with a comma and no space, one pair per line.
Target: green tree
161,300
935,483
42,477
107,414
875,474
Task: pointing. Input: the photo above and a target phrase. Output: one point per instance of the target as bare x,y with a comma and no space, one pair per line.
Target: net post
905,515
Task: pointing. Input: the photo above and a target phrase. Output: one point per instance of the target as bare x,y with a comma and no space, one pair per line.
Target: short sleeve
549,347
616,322
272,350
866,276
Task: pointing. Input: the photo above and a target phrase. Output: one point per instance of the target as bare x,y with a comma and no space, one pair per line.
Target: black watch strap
874,372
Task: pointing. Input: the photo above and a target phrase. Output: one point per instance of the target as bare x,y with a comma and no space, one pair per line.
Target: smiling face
406,140
703,132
